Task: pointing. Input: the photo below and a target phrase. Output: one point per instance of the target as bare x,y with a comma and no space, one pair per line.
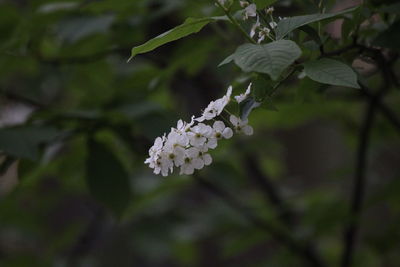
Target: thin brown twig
360,178
268,188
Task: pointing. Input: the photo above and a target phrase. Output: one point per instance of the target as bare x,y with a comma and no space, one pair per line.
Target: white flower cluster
258,30
187,146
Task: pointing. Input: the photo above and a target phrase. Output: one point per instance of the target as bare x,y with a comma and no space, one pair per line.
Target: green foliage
390,38
190,26
271,58
332,72
73,187
106,177
25,141
264,3
287,25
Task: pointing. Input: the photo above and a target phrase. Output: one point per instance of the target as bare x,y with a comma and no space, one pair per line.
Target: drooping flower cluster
187,146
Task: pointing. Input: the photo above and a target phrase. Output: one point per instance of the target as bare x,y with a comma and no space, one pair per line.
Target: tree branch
360,182
21,98
268,189
279,234
387,112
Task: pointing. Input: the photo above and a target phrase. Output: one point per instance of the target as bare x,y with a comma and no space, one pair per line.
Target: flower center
187,160
218,135
171,156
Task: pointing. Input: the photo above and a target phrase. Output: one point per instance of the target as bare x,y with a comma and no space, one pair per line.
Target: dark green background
82,195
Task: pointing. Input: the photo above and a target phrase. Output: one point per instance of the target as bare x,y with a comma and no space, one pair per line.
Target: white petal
273,24
183,140
212,143
227,133
243,123
197,141
229,92
200,119
207,159
179,125
198,163
248,89
192,152
179,156
203,148
187,169
247,130
164,172
234,120
219,126
251,10
240,98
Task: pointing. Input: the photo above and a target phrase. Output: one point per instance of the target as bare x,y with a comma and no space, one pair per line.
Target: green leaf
106,178
287,25
24,141
190,26
271,58
312,33
332,72
227,60
261,88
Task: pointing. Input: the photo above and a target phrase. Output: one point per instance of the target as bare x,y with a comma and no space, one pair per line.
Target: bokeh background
75,190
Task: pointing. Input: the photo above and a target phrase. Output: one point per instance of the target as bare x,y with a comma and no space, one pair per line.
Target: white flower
250,11
262,34
244,4
187,145
163,165
219,132
158,145
222,2
177,139
215,107
155,151
191,161
198,134
270,10
204,156
273,24
241,125
175,153
182,126
241,97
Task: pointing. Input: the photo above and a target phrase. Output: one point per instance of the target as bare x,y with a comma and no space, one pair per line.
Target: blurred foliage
73,187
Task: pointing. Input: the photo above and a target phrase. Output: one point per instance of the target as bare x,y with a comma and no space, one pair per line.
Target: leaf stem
278,84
